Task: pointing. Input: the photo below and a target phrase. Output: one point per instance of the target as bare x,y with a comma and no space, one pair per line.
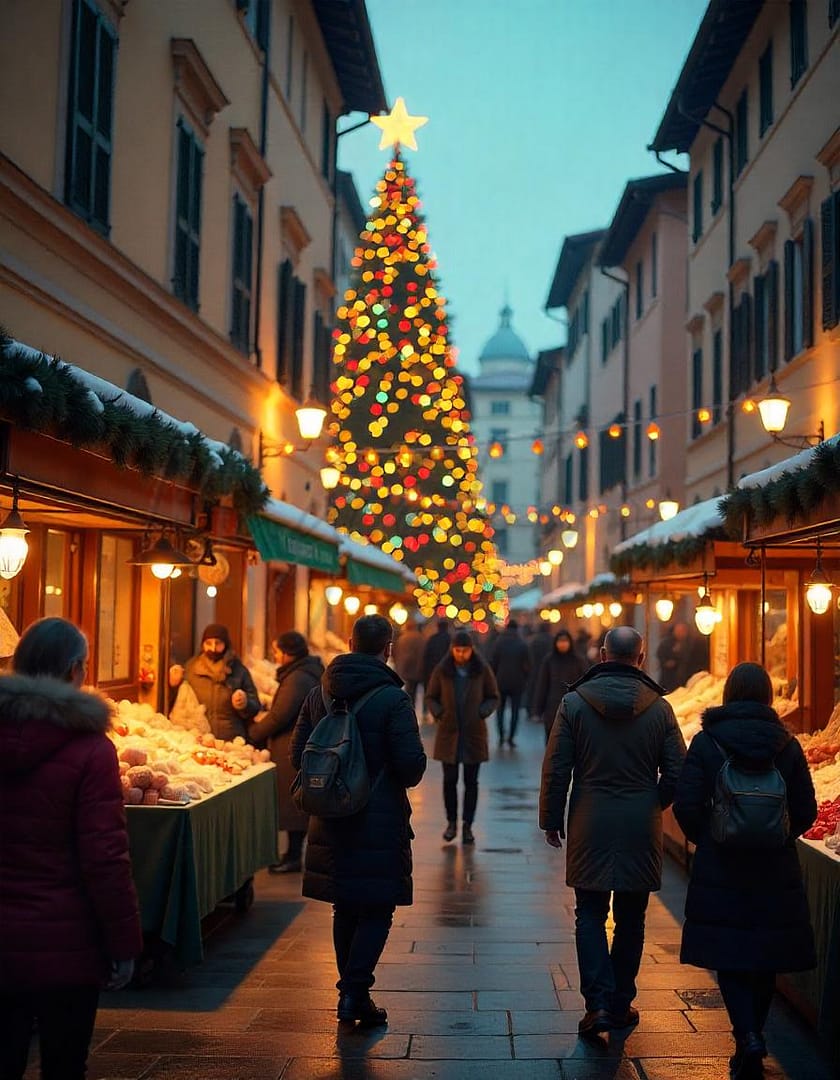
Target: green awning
361,573
279,543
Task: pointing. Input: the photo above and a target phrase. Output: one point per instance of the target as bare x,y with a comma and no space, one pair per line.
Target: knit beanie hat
462,638
216,630
292,644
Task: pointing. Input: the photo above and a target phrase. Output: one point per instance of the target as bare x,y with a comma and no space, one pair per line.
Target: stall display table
817,992
186,859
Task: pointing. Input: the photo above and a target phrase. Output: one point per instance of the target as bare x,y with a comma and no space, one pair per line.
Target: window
115,610
243,234
499,492
637,438
640,300
568,479
499,435
584,308
697,191
285,320
798,40
256,19
652,443
742,146
833,12
616,322
766,303
499,408
326,142
290,57
299,314
501,540
830,258
612,454
717,376
304,80
765,89
187,217
56,566
696,392
654,265
741,347
605,340
321,357
799,291
90,116
717,175
583,478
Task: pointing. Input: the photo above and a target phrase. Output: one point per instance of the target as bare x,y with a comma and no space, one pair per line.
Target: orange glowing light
653,431
614,431
495,450
581,440
537,446
704,416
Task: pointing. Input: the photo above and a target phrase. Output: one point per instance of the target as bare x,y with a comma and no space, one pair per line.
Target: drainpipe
728,134
625,388
665,164
266,14
336,136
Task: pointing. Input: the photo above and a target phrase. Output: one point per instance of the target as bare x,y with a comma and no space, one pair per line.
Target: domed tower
504,414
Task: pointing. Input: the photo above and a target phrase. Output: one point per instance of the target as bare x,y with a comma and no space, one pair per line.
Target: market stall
188,858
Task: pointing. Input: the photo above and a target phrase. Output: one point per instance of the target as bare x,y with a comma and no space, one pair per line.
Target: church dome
505,344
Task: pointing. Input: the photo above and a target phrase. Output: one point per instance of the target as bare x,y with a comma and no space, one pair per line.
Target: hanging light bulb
598,609
537,446
668,507
310,417
653,431
818,587
614,431
330,477
705,614
211,591
555,556
615,609
495,450
773,409
352,604
333,594
370,609
664,608
569,538
581,440
398,613
587,610
545,567
13,544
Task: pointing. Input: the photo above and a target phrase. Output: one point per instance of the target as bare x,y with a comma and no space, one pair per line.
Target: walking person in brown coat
297,673
460,695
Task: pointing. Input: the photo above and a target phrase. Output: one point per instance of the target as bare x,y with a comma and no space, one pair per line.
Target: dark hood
353,674
38,716
308,663
747,729
618,691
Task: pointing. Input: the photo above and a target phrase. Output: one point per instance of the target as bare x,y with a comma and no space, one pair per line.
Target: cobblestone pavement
479,976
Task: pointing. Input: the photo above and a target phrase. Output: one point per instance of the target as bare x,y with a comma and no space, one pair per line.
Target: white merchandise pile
162,763
704,691
822,751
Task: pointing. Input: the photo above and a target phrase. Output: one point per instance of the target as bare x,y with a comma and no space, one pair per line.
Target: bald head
624,645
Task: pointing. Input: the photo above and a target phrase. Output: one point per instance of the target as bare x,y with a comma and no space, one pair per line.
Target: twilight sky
539,112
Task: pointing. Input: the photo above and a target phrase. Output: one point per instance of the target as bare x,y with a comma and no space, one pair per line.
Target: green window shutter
299,314
285,320
696,392
240,328
187,217
808,283
760,328
789,256
771,285
717,376
830,260
717,176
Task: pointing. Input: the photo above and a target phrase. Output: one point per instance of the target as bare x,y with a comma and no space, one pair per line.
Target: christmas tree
400,426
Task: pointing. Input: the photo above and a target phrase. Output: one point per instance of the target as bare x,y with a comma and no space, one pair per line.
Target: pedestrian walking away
222,684
540,645
436,647
461,694
558,671
362,864
511,664
69,923
409,650
297,673
746,913
617,742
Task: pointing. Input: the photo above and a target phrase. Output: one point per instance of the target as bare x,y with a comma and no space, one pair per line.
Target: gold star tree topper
398,127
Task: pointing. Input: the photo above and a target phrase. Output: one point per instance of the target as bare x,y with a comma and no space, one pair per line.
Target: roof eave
345,28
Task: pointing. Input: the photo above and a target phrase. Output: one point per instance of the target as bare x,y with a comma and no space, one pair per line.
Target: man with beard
222,684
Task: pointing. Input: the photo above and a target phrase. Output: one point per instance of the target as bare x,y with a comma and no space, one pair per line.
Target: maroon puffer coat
67,901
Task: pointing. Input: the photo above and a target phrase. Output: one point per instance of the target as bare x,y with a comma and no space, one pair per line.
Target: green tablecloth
186,859
819,990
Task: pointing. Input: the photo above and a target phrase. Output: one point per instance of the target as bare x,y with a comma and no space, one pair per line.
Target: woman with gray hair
69,922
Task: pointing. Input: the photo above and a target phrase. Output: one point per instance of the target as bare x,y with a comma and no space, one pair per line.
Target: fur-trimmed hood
40,715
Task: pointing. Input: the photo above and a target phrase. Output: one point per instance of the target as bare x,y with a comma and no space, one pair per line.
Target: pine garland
40,393
657,556
792,497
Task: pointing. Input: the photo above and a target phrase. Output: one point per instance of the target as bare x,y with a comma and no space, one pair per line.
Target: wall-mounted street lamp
818,587
706,615
162,558
773,410
310,420
569,538
664,608
555,556
668,507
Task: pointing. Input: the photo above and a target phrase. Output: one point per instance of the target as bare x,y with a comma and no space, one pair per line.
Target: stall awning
366,564
277,542
360,573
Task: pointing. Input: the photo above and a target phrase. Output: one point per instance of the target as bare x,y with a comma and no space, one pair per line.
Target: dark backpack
749,807
333,780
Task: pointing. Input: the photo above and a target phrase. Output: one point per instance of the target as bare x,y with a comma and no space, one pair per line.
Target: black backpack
749,807
333,780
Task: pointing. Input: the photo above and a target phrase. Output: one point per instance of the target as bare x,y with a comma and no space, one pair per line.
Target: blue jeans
608,975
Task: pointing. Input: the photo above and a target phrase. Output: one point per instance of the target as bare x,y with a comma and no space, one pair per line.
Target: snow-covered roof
563,592
526,601
373,556
693,521
789,465
304,522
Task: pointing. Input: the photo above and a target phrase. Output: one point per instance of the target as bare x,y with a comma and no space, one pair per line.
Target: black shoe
285,866
625,1018
451,831
467,835
747,1061
511,743
594,1022
362,1009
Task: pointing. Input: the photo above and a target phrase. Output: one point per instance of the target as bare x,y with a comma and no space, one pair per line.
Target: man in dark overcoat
616,740
297,672
511,664
362,864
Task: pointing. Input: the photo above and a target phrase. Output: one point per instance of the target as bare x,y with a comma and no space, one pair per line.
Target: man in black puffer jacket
362,864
